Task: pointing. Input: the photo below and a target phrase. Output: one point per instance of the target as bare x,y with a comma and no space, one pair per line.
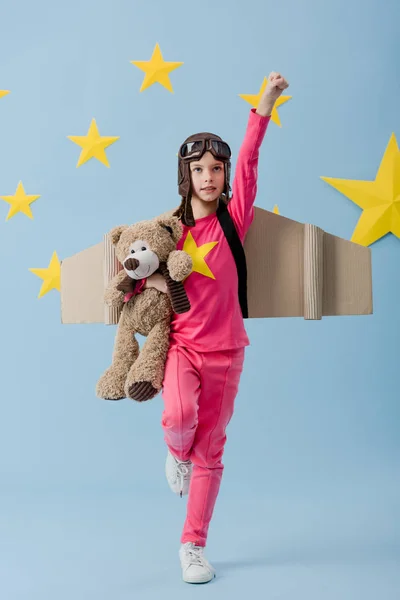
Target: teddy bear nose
131,264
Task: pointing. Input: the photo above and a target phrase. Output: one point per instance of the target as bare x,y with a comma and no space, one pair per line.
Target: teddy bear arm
113,296
179,265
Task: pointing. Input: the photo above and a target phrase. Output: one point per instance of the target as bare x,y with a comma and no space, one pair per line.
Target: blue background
309,504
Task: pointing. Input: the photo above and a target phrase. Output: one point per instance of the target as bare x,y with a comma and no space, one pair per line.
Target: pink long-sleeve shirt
215,320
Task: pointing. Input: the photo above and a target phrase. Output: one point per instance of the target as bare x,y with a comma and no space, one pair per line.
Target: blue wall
319,401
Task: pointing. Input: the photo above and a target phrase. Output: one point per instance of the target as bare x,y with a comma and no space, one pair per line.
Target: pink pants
199,390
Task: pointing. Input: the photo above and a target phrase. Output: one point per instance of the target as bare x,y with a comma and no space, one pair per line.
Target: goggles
190,150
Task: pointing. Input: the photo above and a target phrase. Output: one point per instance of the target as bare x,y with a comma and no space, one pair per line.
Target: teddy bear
142,249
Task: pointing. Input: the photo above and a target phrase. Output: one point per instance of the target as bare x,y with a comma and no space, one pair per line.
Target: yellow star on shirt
4,93
93,145
51,276
254,99
20,202
379,199
156,69
198,254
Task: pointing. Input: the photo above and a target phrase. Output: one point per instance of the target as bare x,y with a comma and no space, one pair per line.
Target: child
207,344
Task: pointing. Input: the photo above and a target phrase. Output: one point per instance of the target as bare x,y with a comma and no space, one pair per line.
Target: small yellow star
276,209
254,99
20,202
3,93
198,254
156,69
51,276
379,199
93,145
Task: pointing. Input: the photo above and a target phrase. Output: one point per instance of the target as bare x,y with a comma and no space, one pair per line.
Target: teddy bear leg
111,385
145,377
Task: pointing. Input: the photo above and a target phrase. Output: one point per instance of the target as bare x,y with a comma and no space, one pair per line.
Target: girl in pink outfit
207,344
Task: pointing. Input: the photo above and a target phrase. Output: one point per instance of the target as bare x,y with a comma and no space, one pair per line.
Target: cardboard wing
294,270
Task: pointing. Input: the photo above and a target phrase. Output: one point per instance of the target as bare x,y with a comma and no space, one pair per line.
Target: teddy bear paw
110,386
180,265
142,391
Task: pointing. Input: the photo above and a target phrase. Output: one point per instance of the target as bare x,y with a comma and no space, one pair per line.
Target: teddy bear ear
173,226
116,233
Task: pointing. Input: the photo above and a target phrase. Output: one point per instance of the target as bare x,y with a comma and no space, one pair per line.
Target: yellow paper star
379,199
254,99
20,202
156,70
51,276
93,145
276,209
3,93
198,254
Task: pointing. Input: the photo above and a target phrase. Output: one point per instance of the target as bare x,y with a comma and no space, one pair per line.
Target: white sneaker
178,474
195,567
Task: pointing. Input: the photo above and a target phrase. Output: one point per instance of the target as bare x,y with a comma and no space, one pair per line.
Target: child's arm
156,281
244,187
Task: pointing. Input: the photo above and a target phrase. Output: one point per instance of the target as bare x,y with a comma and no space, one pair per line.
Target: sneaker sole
206,579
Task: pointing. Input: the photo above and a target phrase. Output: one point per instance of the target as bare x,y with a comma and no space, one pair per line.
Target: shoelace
195,554
183,472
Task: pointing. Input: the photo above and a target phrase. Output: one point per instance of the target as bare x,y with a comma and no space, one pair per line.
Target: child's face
208,172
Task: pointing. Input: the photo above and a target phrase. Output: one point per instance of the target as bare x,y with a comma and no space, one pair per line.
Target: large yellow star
198,254
51,276
254,99
20,202
93,145
379,199
4,93
156,70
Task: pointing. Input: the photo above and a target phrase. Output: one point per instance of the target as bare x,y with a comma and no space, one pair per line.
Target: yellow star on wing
156,70
20,202
51,276
254,100
379,199
198,254
4,93
93,145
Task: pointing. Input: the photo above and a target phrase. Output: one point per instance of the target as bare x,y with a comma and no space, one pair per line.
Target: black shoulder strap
229,229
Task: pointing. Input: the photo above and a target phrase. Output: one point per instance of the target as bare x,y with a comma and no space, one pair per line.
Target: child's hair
185,211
